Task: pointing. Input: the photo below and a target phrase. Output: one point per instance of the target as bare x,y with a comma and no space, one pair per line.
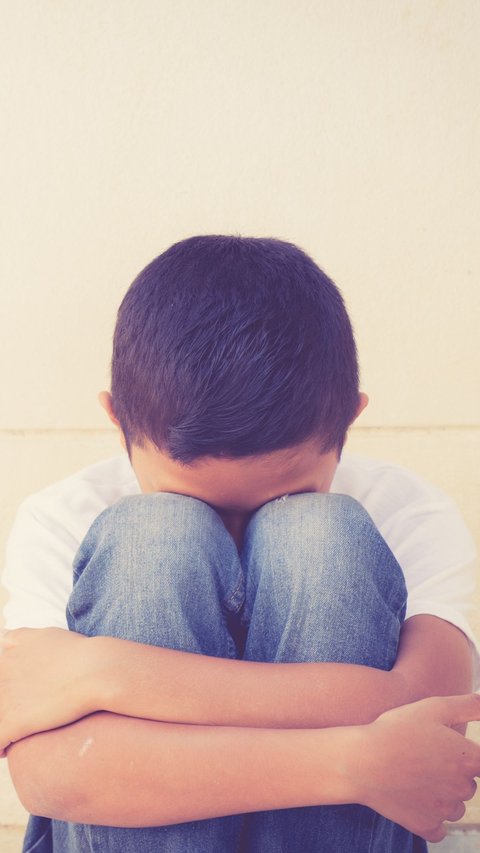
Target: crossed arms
252,736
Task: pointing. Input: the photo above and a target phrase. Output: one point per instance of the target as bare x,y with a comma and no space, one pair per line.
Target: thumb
455,710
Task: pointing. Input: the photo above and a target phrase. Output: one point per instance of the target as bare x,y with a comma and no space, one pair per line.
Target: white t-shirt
421,525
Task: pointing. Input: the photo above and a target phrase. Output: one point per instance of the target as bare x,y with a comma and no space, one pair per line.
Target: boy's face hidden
235,488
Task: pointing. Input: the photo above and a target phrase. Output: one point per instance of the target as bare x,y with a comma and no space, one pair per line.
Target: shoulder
74,502
406,508
385,489
366,477
47,531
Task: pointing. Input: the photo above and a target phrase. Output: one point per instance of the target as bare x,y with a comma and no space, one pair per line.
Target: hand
45,681
415,769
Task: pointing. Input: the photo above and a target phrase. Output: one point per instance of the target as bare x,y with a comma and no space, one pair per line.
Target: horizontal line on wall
18,433
416,428
49,430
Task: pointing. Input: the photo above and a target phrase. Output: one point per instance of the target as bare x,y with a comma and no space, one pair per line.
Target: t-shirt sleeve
38,569
46,534
436,552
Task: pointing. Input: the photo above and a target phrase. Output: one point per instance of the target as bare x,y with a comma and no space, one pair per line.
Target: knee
142,533
140,519
326,539
147,510
151,559
311,521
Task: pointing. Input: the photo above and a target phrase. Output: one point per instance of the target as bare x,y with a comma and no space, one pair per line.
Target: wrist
101,682
355,764
342,751
399,692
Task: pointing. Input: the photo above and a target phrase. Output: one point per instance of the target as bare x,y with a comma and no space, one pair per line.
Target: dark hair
233,346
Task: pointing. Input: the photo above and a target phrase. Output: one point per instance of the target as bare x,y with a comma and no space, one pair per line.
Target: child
241,540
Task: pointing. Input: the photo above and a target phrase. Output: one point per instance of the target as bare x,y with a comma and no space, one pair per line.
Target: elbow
43,784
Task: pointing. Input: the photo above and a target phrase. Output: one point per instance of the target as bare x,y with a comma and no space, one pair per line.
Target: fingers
4,744
454,813
6,738
457,812
471,793
437,834
7,640
16,636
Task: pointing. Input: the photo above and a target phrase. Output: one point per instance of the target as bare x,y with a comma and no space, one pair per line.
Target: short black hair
230,346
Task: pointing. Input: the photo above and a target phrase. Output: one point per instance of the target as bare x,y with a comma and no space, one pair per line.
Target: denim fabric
315,582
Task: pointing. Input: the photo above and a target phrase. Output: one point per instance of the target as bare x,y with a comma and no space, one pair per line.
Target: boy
245,539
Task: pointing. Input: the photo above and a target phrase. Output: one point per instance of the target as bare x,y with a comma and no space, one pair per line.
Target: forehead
238,484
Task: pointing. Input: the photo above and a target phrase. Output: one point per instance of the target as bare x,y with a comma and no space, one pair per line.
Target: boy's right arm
409,765
51,677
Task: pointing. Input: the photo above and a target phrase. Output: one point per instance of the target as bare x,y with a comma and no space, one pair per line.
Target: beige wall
348,127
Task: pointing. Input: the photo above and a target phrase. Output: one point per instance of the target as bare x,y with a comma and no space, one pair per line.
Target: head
232,351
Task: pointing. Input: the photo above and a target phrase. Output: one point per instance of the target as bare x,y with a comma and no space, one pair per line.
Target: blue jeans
315,581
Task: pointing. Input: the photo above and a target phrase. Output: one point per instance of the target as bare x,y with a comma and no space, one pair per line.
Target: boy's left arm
51,677
435,658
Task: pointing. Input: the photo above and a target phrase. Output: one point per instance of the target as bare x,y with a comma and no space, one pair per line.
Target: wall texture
349,128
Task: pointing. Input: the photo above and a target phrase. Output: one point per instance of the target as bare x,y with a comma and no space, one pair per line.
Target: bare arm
83,675
49,785
434,659
143,773
434,656
178,773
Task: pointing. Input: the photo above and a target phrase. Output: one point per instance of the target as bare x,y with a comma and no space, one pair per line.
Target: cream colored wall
349,128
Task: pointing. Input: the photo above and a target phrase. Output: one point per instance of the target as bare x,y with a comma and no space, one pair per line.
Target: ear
105,400
362,404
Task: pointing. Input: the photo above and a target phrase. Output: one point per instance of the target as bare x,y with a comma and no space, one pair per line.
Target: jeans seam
372,831
38,841
233,602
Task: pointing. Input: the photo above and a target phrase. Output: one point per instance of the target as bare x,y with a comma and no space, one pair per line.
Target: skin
102,674
171,774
